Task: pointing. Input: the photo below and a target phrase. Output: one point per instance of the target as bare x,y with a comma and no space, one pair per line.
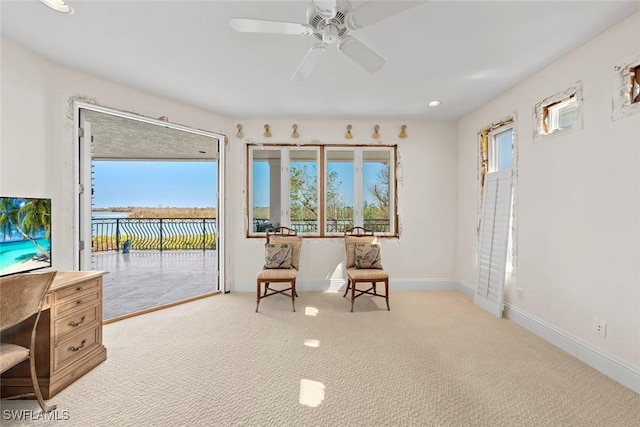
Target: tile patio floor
144,279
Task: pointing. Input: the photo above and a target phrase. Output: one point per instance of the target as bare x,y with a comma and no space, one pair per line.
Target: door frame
79,168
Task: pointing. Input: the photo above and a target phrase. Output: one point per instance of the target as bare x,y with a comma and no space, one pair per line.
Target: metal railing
333,225
115,234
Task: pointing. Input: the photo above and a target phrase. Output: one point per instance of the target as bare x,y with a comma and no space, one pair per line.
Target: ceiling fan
330,21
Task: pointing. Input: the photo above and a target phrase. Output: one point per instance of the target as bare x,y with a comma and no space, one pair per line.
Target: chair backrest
353,236
287,235
22,296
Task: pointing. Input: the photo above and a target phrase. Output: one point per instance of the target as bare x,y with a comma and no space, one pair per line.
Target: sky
154,184
187,184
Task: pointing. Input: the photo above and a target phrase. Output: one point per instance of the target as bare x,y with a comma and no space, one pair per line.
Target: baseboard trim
335,285
466,288
622,372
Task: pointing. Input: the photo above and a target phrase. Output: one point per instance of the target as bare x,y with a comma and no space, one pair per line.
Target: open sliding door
84,192
494,240
176,251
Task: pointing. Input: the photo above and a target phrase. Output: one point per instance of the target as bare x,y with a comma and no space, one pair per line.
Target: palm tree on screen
28,217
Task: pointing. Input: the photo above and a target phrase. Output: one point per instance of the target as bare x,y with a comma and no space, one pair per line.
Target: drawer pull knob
72,348
74,324
79,288
79,302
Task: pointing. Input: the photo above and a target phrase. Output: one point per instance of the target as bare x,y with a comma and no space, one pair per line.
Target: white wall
37,147
422,257
578,203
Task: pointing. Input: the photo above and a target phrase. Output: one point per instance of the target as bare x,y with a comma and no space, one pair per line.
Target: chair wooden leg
36,386
258,296
353,294
386,293
347,289
266,287
293,294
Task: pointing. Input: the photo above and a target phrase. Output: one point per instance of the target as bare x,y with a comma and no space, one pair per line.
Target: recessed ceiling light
58,5
434,103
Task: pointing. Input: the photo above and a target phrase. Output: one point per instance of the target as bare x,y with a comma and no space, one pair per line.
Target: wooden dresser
68,339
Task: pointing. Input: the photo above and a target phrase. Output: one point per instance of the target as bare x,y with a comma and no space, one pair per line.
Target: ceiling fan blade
309,62
325,8
372,12
249,25
360,54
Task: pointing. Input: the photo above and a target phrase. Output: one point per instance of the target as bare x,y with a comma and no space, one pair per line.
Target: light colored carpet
434,360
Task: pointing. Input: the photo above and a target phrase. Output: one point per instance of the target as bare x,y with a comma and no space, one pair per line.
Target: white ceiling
464,53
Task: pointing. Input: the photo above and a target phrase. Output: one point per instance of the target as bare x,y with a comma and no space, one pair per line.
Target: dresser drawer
75,322
80,301
71,291
73,349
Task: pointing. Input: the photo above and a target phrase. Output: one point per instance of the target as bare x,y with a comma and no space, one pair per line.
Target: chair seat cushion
11,355
278,274
366,274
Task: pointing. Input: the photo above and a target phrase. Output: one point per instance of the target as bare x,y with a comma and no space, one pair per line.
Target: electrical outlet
520,294
600,327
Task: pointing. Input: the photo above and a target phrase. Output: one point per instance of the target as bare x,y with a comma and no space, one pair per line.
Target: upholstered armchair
364,265
282,261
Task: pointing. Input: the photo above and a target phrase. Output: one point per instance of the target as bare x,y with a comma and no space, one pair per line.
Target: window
339,196
635,84
560,115
497,154
277,171
353,186
561,112
501,148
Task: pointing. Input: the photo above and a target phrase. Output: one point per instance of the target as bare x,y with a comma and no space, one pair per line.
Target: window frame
322,160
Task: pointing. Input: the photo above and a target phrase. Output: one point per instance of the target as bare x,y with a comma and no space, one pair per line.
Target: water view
20,255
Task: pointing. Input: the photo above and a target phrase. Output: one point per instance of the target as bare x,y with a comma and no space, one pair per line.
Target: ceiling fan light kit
330,21
59,6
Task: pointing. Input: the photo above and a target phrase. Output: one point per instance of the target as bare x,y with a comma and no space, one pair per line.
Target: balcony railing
115,234
333,225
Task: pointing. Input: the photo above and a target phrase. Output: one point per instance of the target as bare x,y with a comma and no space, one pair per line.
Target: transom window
560,115
635,84
321,190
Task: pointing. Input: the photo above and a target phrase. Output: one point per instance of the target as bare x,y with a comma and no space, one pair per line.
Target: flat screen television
25,234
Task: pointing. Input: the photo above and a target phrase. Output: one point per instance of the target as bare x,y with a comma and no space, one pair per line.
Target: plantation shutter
494,239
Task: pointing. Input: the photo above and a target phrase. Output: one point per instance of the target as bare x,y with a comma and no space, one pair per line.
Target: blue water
12,253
